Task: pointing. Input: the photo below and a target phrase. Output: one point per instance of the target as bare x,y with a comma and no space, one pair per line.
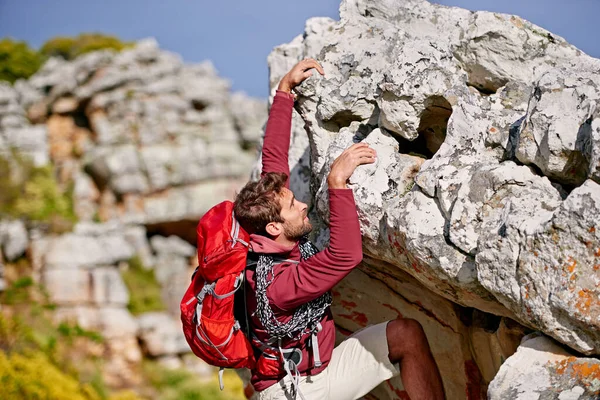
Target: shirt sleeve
303,282
276,144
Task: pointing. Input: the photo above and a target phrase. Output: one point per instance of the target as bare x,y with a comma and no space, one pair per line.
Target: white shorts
357,366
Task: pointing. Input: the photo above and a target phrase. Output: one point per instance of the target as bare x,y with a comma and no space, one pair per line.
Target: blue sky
237,35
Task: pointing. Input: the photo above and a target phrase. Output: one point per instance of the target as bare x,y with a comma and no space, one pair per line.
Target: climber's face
295,216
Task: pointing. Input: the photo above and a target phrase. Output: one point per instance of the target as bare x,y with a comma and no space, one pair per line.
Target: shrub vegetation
40,359
70,48
144,290
18,60
33,193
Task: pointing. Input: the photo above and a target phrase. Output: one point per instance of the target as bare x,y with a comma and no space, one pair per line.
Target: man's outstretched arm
279,126
308,280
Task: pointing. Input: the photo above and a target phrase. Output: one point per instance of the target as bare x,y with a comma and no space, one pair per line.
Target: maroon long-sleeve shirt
296,284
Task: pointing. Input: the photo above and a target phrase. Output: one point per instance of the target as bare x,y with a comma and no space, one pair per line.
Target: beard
295,233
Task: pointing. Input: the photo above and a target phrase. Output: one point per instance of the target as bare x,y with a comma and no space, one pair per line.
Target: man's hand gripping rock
357,154
298,74
343,167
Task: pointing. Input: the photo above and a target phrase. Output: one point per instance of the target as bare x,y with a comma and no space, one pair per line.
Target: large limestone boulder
72,251
563,145
486,128
541,369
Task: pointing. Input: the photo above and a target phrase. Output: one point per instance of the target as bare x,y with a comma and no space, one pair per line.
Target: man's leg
409,348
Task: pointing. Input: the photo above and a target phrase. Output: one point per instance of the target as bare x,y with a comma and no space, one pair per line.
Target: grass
40,359
33,193
144,290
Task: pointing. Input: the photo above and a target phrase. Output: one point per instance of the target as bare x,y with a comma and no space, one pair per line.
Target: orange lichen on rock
586,300
584,372
516,21
572,263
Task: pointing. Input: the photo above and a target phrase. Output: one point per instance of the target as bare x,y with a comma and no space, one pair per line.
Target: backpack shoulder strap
253,257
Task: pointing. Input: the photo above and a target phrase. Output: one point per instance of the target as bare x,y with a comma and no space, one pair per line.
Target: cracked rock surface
148,144
541,369
487,127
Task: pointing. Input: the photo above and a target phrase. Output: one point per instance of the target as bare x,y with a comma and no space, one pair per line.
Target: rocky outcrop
486,184
146,138
16,131
146,144
82,273
540,369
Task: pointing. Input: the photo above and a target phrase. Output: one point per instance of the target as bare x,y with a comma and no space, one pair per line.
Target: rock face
16,132
540,369
147,144
486,185
469,345
144,137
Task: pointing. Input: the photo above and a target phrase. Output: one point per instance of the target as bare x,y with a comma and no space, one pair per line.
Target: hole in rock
185,229
479,319
80,117
99,179
344,118
485,90
432,129
199,105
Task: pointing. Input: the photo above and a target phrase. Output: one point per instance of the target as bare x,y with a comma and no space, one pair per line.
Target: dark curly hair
257,203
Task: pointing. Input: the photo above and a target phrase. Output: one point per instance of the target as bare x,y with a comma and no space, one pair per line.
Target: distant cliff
108,162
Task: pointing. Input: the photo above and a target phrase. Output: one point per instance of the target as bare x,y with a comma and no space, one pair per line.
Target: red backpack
207,308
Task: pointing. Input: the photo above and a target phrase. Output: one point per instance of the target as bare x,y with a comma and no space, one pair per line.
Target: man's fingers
307,74
363,153
361,149
356,146
309,63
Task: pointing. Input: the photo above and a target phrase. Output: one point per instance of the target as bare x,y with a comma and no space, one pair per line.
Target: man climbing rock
288,285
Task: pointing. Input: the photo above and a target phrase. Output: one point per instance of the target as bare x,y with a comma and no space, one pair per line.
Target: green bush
40,359
33,193
70,48
35,377
18,60
144,290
